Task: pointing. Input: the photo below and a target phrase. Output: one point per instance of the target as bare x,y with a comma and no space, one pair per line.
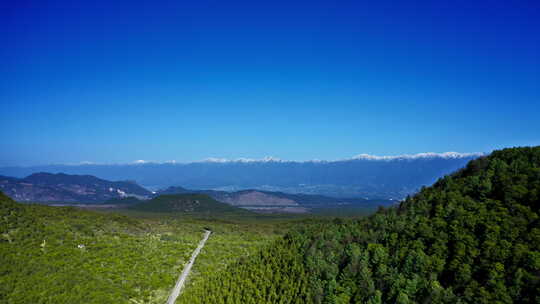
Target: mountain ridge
380,178
64,188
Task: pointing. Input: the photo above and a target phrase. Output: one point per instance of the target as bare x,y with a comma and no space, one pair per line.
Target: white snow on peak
427,155
142,161
271,159
446,155
85,162
215,160
242,160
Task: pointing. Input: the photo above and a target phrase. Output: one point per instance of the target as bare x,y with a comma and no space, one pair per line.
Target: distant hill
239,198
47,187
258,198
65,188
362,176
187,203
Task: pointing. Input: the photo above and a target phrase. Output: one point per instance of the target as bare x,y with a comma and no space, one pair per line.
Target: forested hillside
473,237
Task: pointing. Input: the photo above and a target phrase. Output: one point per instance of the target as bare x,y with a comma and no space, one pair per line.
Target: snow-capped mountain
266,159
364,175
445,155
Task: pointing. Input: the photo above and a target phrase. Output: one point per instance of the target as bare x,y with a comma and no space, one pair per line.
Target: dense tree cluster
473,237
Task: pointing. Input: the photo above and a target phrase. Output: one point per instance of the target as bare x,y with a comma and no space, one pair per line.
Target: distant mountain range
257,199
366,176
47,187
64,188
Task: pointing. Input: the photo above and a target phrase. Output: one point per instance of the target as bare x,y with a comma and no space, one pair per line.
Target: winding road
182,278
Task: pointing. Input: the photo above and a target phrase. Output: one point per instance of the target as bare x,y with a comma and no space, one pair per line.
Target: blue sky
178,80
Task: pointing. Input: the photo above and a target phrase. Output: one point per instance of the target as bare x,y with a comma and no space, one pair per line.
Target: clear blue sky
163,80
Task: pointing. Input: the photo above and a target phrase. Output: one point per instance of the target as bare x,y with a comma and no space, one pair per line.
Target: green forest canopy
472,237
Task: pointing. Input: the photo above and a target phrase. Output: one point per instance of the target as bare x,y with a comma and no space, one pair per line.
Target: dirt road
182,278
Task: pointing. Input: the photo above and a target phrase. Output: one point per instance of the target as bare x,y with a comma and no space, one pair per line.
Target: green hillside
473,237
122,259
188,203
66,255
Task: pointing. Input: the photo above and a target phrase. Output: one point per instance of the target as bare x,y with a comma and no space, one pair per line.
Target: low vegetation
68,255
65,255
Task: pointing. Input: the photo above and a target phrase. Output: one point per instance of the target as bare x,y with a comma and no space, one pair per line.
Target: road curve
182,278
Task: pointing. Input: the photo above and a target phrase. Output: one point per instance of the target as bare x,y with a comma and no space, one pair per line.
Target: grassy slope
134,257
123,258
